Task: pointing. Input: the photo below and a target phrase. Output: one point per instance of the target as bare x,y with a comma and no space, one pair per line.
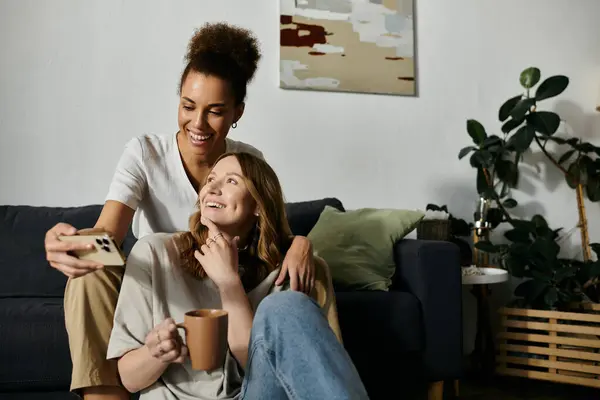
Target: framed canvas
363,46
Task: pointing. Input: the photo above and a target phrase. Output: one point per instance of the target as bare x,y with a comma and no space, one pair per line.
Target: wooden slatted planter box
551,345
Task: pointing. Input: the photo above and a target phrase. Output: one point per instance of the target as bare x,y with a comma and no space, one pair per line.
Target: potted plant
552,286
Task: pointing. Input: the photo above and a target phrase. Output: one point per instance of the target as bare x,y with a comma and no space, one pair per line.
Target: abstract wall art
363,46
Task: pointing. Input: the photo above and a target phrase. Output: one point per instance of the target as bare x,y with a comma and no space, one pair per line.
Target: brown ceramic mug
206,337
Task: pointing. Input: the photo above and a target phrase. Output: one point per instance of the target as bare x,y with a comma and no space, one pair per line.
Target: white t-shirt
151,179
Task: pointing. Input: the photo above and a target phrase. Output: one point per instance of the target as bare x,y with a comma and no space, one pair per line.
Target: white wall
79,78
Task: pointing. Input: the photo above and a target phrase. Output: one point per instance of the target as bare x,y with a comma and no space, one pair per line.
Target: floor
508,388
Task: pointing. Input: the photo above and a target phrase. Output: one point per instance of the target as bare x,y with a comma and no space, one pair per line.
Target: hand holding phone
60,253
102,248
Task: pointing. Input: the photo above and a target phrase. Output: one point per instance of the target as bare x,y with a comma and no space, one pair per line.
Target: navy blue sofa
399,340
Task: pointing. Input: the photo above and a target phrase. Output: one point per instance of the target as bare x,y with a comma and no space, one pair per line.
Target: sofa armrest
430,270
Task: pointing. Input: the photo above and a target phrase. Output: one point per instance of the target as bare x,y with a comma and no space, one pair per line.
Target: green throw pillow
358,244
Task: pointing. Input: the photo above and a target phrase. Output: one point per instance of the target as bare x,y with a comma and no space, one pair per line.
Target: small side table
484,354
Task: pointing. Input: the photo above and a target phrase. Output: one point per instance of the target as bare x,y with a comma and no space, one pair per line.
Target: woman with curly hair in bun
279,344
154,189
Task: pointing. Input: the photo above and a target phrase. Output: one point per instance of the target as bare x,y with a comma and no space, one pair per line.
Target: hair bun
237,43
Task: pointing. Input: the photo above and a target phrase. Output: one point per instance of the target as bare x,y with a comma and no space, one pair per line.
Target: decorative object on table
435,225
440,224
347,46
553,285
358,244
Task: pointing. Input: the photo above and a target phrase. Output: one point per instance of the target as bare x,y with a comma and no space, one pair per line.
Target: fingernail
90,246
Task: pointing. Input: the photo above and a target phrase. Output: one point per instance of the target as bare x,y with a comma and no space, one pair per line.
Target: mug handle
182,326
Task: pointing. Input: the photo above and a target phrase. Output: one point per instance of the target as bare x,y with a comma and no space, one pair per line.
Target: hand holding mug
165,344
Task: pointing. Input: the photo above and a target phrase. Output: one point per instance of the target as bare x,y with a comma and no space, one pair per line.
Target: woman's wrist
233,284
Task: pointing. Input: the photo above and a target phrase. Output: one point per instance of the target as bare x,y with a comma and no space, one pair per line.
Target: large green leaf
563,273
595,247
551,297
521,139
568,154
486,246
594,270
481,158
539,221
508,172
507,107
548,249
511,124
544,122
515,265
544,276
523,224
517,235
592,189
530,289
509,203
586,167
504,190
585,147
573,175
588,270
522,107
530,77
476,131
552,86
494,217
491,141
464,151
460,227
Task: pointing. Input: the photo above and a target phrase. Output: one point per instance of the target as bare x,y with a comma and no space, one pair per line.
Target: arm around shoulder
324,294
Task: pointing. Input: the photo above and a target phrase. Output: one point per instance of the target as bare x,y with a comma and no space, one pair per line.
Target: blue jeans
295,355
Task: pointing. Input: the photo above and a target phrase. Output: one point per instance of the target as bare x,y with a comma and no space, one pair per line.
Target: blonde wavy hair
271,236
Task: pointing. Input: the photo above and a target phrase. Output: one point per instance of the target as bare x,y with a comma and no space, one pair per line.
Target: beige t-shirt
153,289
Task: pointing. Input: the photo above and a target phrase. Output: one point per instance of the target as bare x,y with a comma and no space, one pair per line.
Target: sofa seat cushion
384,335
380,321
34,351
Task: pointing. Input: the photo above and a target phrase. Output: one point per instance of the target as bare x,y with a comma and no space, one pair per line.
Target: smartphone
105,250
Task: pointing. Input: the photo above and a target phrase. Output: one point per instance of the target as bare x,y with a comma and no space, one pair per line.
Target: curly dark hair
225,51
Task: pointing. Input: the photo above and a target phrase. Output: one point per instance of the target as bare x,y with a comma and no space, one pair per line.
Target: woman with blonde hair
281,344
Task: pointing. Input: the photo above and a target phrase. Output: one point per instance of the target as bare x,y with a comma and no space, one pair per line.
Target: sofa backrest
23,266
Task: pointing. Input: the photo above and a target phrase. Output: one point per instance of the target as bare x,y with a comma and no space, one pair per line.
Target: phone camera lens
99,242
105,241
106,248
